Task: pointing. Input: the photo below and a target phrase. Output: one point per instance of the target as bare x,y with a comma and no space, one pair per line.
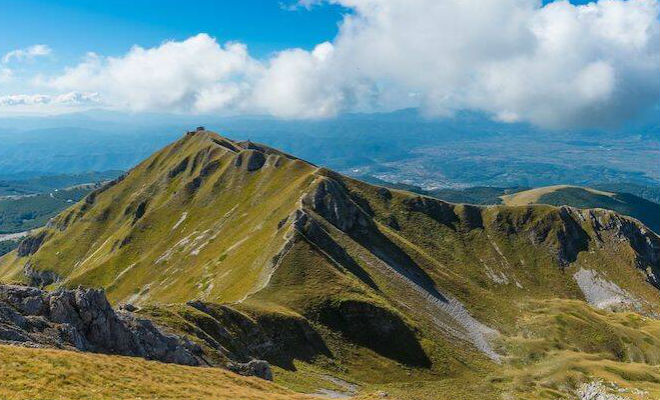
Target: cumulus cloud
27,54
555,65
173,76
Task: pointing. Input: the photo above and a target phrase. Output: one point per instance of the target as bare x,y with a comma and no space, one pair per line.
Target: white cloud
27,54
299,84
67,99
47,104
555,65
558,65
5,74
169,77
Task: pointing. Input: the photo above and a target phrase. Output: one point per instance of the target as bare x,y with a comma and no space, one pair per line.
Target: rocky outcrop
246,340
599,390
82,319
559,230
180,167
436,209
331,201
39,278
258,368
571,237
642,240
31,244
255,160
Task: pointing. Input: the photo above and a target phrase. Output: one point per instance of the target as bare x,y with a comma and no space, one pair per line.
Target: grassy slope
581,197
224,248
558,345
40,374
533,196
219,231
543,365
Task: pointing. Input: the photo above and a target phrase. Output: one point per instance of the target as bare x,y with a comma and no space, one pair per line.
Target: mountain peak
208,220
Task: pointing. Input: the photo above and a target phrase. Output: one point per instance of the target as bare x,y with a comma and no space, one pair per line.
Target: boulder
258,368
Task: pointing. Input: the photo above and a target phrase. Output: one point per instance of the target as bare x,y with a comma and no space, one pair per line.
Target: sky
554,64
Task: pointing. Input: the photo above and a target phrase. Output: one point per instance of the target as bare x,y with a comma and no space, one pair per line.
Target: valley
330,199
345,287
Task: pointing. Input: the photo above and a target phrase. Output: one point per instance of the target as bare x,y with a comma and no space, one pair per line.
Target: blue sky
73,27
554,64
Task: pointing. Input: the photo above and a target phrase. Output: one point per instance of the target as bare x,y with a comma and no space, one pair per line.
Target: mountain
582,197
642,205
468,149
343,285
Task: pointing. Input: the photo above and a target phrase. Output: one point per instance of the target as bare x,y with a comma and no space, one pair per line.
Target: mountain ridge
585,197
379,276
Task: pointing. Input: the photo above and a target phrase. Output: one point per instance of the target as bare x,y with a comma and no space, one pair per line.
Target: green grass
623,203
190,223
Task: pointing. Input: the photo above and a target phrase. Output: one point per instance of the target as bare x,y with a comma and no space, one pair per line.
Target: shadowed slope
381,281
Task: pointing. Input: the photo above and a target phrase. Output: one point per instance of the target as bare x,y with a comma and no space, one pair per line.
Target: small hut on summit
198,129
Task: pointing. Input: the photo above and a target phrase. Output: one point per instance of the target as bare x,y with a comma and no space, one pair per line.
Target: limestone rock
82,319
258,368
31,244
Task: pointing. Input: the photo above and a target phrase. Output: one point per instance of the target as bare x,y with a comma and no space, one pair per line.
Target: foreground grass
40,374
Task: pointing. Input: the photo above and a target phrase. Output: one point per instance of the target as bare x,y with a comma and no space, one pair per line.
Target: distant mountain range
345,287
403,146
623,203
643,205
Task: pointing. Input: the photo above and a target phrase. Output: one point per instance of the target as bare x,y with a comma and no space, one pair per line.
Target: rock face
256,160
331,201
83,319
31,244
602,293
251,343
258,368
39,278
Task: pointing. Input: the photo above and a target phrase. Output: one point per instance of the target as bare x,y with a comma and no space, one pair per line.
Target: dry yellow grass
532,196
40,374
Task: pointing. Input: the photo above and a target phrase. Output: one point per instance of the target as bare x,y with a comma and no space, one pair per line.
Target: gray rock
83,319
332,202
127,307
39,278
258,368
31,244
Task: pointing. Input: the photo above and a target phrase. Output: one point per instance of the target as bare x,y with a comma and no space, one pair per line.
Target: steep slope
250,250
623,203
153,228
40,374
